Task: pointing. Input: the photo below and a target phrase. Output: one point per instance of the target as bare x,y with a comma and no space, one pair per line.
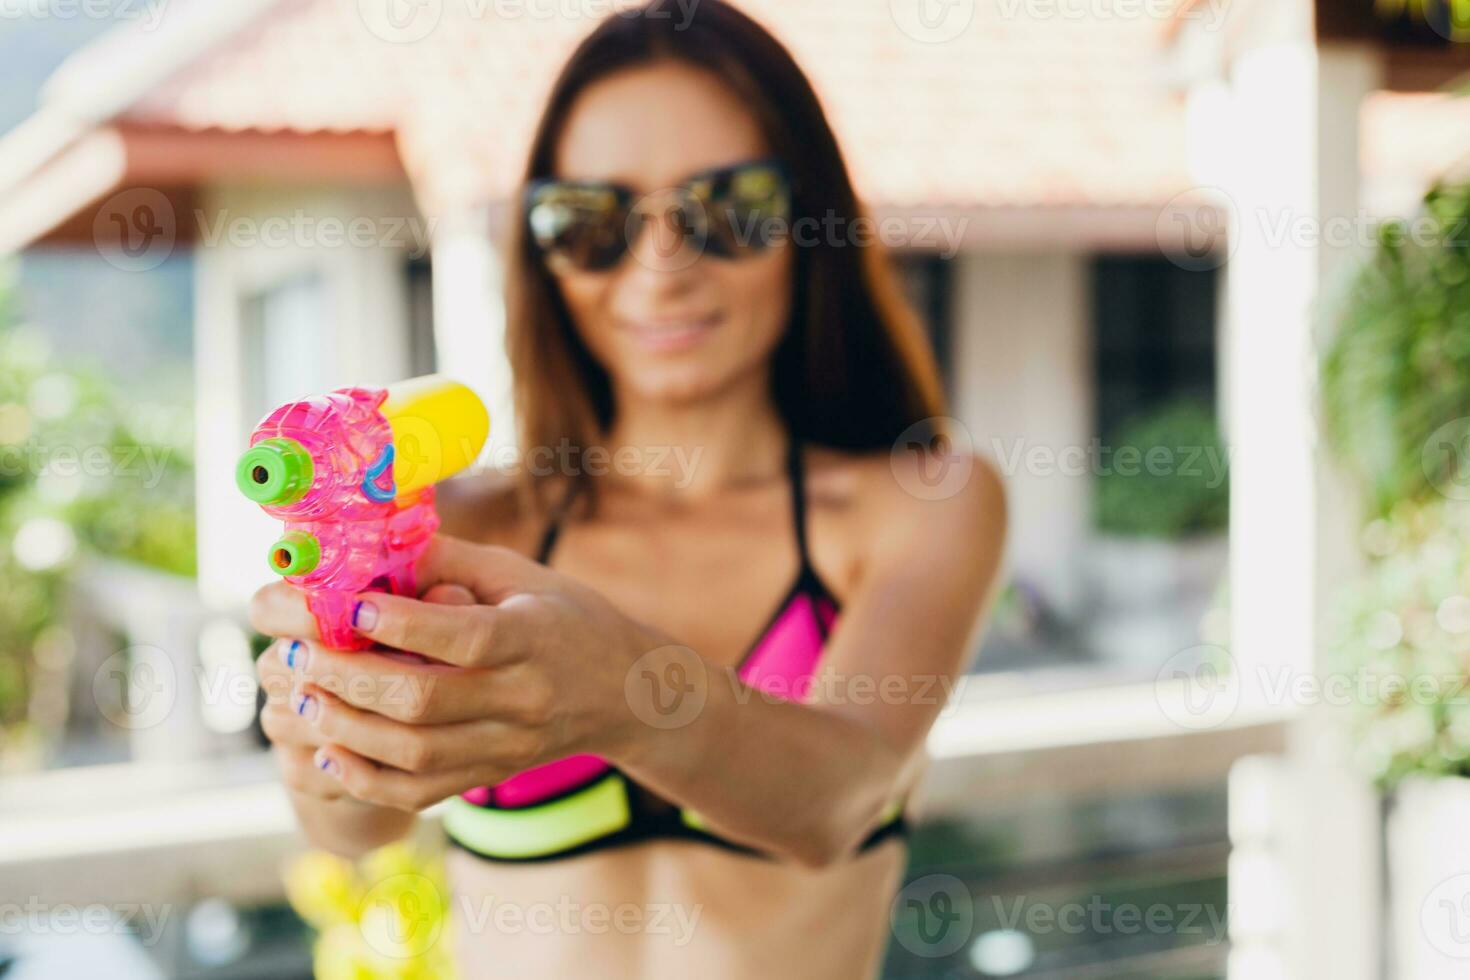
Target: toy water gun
352,474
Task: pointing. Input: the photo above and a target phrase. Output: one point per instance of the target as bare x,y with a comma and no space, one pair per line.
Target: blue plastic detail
370,488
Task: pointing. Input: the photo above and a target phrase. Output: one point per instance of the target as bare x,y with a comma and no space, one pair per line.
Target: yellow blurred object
323,889
439,427
383,918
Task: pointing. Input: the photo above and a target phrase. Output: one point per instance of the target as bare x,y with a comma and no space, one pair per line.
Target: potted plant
1396,413
1160,550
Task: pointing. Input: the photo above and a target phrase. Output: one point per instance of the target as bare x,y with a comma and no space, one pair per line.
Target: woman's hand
280,610
528,667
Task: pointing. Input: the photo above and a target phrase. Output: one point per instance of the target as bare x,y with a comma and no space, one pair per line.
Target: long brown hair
853,369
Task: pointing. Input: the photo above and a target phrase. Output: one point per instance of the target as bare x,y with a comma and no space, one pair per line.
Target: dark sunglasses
729,212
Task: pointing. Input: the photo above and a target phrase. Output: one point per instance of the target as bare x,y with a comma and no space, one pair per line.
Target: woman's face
667,323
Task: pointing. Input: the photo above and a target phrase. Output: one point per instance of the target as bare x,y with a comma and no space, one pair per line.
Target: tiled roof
1016,110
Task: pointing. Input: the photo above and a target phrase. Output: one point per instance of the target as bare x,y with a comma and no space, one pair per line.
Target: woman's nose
665,234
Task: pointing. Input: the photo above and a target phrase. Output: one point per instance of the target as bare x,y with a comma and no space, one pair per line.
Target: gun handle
333,610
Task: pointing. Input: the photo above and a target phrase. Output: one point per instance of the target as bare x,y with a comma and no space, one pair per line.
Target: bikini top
582,803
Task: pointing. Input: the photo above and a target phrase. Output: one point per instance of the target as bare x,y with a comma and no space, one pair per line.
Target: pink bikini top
781,661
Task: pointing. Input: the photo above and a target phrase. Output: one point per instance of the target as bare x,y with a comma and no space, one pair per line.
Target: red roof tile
1015,111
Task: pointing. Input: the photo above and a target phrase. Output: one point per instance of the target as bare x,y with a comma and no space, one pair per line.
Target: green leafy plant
1395,410
1398,367
1399,651
1165,476
76,477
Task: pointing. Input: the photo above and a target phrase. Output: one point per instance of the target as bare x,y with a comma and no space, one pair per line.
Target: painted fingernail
296,655
306,706
327,764
364,615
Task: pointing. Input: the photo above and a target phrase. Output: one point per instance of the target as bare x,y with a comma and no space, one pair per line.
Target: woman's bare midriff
674,909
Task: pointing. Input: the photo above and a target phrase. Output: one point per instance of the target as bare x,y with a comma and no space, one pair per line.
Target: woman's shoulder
909,495
489,506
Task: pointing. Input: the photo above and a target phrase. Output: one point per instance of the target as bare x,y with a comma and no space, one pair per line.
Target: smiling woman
705,693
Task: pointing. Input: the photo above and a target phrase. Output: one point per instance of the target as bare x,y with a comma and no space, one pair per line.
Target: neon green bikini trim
590,813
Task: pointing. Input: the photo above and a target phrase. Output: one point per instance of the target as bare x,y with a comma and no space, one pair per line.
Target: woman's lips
669,335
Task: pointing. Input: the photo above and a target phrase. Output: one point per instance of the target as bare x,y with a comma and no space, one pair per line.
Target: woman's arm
810,781
545,668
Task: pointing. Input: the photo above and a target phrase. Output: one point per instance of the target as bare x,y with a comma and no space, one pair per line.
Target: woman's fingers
466,636
279,609
369,782
422,749
491,572
301,772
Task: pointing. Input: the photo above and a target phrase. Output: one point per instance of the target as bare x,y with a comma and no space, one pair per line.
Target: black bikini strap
797,473
553,528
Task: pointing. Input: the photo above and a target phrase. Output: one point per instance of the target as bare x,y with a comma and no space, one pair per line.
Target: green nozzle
295,554
274,472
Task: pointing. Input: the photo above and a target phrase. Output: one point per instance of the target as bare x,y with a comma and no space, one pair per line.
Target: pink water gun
352,474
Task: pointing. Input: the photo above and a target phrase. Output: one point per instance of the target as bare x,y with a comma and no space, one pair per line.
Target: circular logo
400,21
667,687
1445,917
1448,18
933,915
135,229
136,688
933,459
1198,229
402,916
1446,459
677,226
1198,688
932,21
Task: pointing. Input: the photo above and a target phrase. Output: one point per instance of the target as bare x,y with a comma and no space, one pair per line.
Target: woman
648,772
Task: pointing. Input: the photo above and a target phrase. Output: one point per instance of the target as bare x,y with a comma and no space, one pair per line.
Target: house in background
1139,203
1017,155
342,183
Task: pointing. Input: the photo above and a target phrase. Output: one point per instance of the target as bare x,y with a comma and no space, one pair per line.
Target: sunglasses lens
577,226
749,209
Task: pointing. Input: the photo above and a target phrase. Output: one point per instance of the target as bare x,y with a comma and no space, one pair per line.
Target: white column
1292,178
1024,390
